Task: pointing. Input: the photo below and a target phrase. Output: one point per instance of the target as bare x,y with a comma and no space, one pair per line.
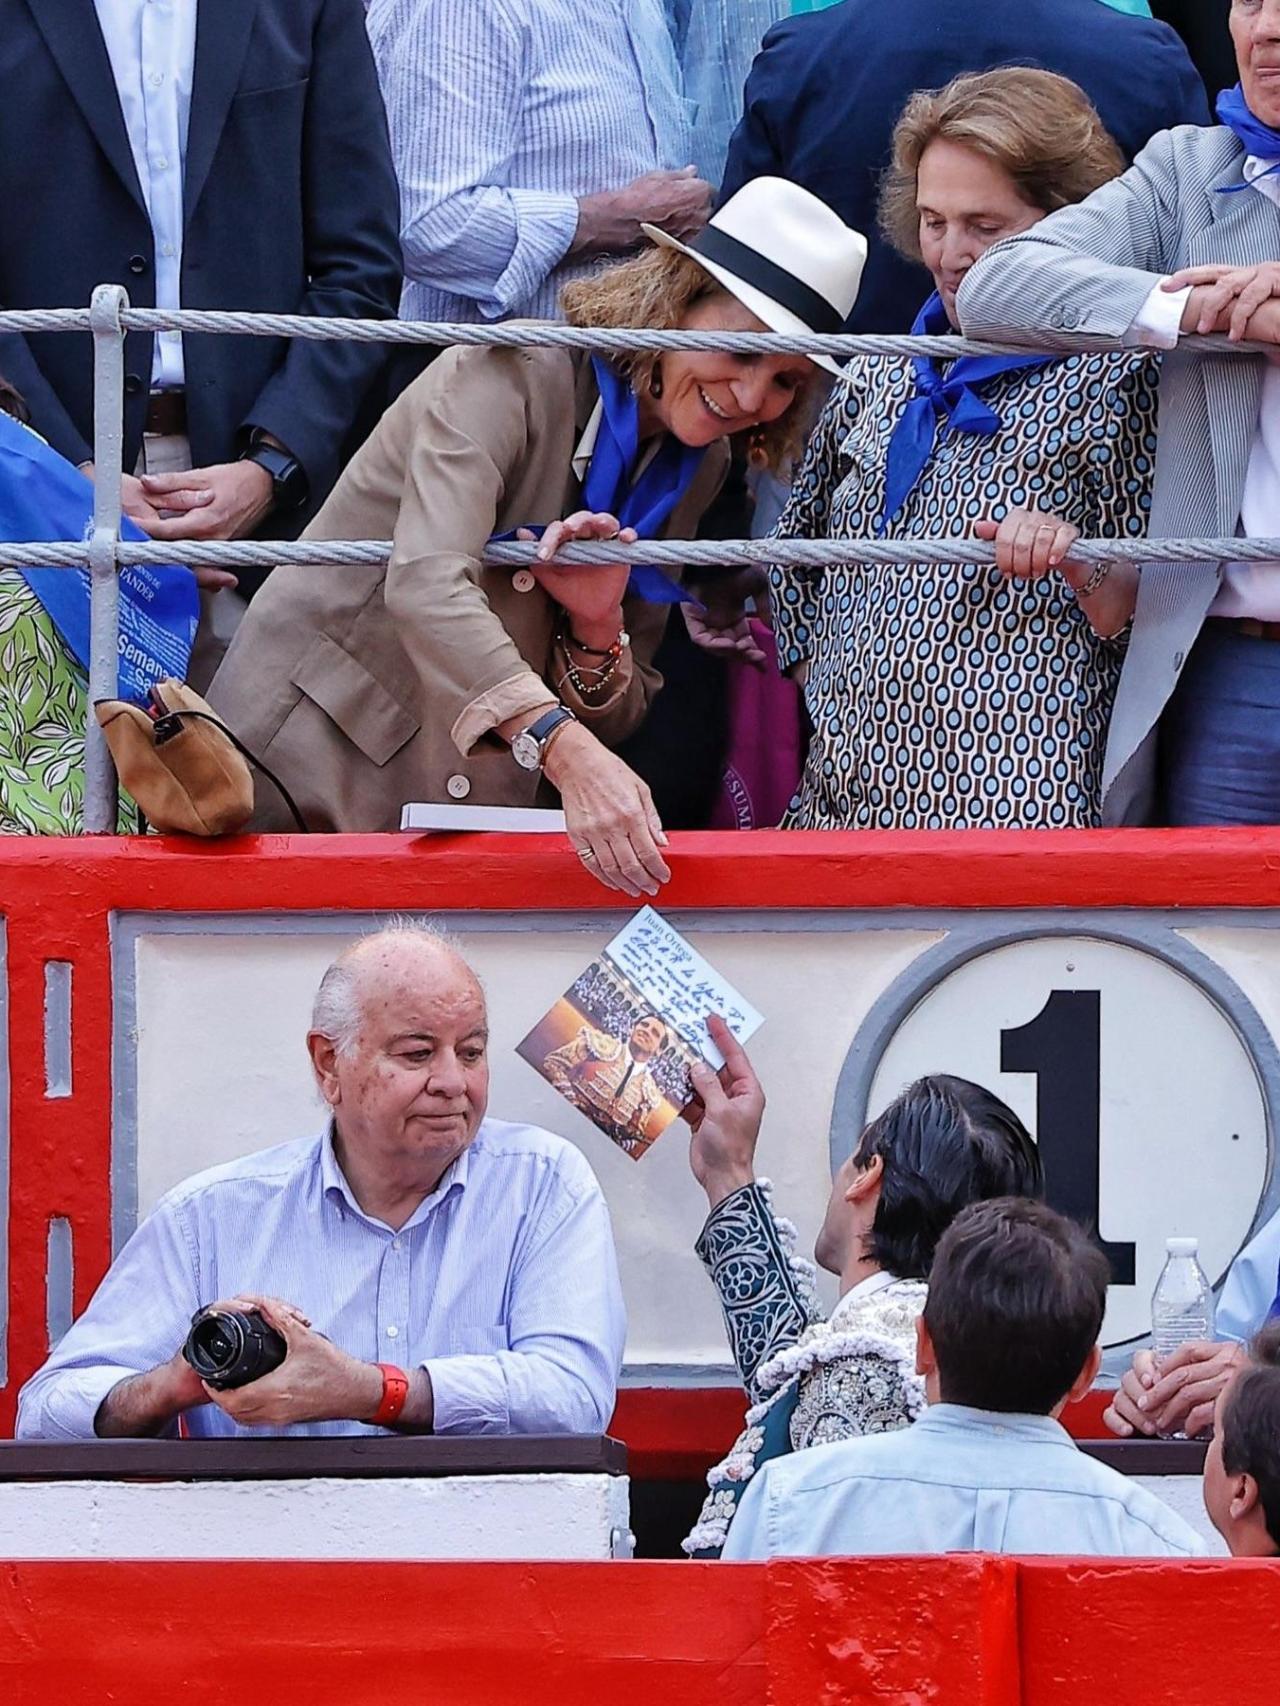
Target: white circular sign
1145,1101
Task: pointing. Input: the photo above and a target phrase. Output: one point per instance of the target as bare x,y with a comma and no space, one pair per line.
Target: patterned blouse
944,696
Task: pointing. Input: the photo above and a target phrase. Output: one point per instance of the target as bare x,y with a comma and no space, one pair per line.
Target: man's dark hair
1015,1304
1251,1424
944,1143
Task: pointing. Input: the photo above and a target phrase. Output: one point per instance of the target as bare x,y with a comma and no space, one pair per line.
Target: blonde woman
945,695
437,679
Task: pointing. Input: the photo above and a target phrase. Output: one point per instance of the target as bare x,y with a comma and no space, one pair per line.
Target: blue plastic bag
42,497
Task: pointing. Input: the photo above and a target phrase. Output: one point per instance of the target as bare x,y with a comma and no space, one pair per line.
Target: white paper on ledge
428,816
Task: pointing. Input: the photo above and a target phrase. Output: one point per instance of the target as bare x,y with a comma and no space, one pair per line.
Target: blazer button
457,787
132,384
137,263
1070,318
524,580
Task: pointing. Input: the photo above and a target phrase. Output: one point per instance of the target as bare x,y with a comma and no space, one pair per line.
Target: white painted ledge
565,1517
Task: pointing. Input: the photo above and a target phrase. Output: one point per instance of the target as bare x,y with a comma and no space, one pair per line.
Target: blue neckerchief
1254,137
949,402
647,503
42,497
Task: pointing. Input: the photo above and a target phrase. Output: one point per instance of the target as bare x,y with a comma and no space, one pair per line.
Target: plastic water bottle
1182,1306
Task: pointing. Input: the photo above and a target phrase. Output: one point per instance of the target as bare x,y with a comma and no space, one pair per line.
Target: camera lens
228,1348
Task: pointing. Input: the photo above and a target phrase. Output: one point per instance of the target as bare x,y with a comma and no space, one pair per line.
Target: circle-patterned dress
944,696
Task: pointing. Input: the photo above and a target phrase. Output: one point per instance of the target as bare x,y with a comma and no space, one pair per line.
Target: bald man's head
399,1042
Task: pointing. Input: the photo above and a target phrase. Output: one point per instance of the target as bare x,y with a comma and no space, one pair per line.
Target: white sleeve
1158,323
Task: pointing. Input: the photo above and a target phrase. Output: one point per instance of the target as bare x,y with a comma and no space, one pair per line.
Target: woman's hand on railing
609,812
723,623
1031,543
589,594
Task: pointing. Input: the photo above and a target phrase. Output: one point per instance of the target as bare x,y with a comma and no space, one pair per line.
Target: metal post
100,791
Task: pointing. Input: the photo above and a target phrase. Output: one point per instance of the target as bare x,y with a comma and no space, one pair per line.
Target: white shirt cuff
1158,323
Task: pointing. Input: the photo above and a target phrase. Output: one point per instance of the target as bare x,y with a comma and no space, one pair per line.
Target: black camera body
232,1347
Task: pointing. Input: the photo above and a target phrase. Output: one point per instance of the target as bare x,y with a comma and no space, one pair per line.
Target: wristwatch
288,480
529,747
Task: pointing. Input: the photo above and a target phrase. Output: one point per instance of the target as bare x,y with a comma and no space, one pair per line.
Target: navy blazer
828,87
291,206
1204,28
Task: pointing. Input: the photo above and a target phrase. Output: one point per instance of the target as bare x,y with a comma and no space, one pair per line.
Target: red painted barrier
57,898
958,1631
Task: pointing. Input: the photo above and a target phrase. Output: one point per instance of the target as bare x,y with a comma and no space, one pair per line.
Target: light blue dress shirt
956,1480
152,47
1251,1285
503,1283
503,113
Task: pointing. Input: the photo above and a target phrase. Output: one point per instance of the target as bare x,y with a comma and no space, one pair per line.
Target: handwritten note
682,986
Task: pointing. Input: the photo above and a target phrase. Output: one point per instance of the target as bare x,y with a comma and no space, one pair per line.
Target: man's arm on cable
565,1329
136,1322
350,206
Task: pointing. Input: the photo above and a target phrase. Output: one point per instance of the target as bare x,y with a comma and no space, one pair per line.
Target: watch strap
395,1395
548,722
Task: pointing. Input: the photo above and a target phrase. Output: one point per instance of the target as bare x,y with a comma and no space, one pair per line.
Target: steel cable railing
109,317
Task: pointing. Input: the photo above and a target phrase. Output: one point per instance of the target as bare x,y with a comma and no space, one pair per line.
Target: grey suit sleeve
1085,271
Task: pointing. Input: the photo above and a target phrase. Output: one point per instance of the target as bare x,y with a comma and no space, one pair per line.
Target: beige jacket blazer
366,687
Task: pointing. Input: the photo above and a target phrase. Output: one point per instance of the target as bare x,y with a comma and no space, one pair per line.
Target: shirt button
393,1332
524,580
162,162
395,1243
167,249
457,787
156,79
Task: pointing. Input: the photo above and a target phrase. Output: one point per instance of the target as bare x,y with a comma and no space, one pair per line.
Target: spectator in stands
435,678
531,138
942,1144
1183,243
947,695
826,91
1202,24
1242,1465
477,1250
1007,1337
1179,1395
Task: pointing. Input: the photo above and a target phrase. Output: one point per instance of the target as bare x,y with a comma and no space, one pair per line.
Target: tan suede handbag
181,763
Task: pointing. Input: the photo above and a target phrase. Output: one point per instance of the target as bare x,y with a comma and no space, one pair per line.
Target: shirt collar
1255,173
587,443
333,1184
1004,1424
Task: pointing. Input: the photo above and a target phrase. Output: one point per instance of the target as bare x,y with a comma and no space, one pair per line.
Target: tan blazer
365,687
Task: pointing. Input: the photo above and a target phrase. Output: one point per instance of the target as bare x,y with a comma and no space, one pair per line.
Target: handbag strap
243,750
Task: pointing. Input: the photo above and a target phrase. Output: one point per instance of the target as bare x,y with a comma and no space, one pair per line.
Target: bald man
428,1268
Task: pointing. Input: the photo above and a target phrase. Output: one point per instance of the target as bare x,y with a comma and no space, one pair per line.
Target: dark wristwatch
288,480
529,747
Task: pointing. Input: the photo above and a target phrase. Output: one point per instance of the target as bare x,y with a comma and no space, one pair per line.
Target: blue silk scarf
645,503
1254,137
943,403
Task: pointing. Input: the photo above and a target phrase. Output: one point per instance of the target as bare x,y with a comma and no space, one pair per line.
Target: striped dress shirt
503,1283
503,113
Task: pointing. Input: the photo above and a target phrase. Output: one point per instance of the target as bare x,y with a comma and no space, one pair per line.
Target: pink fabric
766,750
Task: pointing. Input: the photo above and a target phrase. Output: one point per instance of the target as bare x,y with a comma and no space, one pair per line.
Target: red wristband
395,1395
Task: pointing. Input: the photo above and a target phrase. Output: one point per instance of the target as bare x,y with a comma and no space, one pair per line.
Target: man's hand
725,1118
144,1404
226,501
316,1382
1177,1396
144,514
1225,298
609,222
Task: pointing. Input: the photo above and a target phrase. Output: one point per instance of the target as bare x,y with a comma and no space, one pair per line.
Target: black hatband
753,268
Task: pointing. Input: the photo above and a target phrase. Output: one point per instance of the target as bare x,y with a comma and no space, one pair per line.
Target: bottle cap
1182,1246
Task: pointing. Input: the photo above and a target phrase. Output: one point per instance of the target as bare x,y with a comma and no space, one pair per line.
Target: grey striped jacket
1087,270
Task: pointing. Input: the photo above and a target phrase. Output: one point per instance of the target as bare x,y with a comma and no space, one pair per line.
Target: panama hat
786,256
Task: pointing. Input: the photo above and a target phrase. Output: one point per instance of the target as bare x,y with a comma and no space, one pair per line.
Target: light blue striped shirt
956,1480
503,113
504,1283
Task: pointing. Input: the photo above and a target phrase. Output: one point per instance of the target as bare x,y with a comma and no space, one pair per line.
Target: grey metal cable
549,334
669,554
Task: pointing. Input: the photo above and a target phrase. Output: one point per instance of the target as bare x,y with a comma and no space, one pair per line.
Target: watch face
526,751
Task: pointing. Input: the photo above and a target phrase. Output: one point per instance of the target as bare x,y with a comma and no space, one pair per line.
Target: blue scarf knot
1256,138
646,502
943,403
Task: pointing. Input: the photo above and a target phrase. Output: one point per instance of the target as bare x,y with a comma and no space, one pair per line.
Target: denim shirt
956,1480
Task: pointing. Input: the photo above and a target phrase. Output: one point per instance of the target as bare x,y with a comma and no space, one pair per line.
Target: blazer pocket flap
355,700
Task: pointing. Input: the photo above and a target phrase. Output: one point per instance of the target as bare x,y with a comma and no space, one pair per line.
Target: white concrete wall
567,1517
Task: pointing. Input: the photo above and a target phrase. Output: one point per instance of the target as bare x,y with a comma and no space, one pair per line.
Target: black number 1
1061,1045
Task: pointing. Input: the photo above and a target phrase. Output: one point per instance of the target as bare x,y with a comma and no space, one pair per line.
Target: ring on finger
586,854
